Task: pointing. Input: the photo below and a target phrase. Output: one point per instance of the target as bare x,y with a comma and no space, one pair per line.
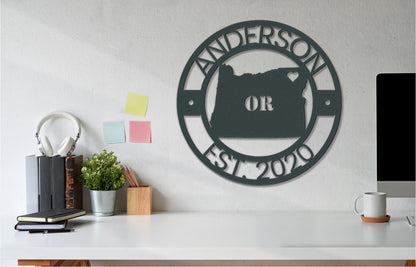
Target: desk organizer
139,200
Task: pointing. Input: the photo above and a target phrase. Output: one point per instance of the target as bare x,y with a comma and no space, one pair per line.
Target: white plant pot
103,203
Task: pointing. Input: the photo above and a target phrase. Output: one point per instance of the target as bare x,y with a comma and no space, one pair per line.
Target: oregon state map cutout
259,102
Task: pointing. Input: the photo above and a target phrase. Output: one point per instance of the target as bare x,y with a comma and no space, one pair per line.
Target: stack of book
54,220
52,183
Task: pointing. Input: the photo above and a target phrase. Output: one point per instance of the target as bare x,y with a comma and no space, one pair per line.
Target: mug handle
355,205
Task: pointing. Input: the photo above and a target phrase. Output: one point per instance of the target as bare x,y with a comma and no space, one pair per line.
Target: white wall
85,56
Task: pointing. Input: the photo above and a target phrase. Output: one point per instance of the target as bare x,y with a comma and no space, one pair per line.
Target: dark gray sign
259,102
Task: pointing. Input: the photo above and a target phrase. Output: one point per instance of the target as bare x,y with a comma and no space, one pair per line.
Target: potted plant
102,174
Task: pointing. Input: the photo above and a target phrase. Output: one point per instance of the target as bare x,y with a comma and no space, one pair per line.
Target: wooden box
139,200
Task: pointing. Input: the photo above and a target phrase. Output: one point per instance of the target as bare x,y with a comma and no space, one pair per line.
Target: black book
50,216
58,182
45,196
28,226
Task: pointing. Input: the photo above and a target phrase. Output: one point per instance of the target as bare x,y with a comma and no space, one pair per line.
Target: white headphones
67,146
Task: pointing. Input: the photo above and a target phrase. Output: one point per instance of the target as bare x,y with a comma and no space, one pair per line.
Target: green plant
102,172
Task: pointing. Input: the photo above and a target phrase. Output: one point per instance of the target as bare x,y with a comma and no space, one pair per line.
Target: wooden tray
375,220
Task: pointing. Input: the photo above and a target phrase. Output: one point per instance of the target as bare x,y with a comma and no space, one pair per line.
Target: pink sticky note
140,132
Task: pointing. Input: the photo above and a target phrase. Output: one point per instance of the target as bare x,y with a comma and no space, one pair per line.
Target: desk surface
217,236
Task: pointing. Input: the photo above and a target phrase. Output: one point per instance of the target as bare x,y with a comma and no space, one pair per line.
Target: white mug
374,205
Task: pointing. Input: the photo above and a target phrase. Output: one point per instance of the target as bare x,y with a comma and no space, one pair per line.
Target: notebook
25,226
50,216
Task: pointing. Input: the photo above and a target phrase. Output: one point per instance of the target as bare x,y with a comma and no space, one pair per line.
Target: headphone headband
59,114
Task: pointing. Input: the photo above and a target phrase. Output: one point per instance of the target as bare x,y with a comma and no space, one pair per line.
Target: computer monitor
396,134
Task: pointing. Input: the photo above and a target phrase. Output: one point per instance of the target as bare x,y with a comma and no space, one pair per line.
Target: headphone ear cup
65,146
46,147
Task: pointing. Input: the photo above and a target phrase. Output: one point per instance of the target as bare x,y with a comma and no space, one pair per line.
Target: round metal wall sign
259,102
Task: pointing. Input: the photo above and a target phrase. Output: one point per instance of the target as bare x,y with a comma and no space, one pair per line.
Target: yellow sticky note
136,104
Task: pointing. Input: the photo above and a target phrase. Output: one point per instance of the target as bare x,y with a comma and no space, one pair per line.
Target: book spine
32,192
73,191
45,197
58,182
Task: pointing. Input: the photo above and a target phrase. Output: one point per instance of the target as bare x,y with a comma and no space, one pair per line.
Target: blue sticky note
114,132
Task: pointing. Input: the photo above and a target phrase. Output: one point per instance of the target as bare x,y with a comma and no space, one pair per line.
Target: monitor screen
396,127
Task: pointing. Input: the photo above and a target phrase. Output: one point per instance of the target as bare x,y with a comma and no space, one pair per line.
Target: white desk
218,236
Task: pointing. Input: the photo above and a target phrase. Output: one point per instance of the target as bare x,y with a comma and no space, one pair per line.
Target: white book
32,187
